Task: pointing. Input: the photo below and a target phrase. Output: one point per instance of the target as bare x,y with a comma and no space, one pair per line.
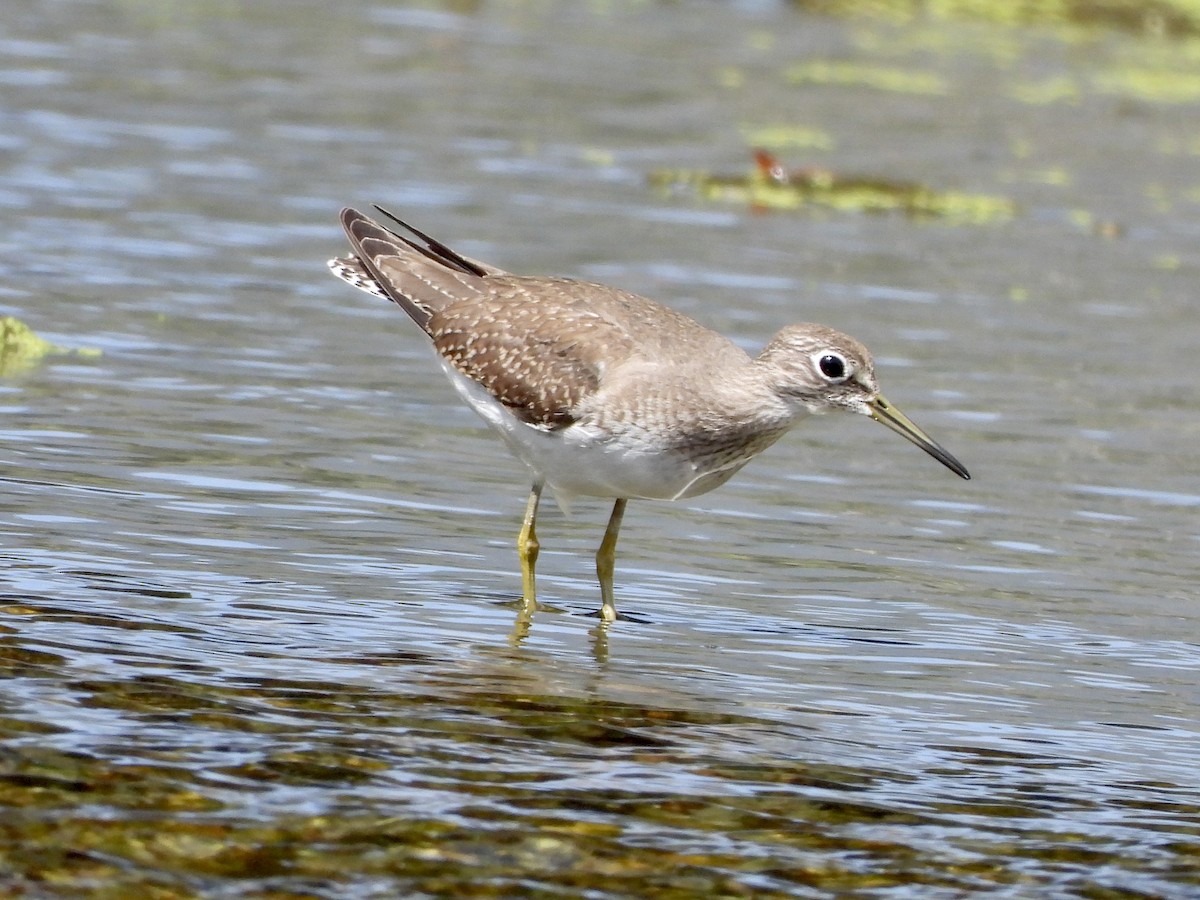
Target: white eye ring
833,366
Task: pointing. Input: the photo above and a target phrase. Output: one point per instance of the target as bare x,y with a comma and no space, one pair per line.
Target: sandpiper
604,393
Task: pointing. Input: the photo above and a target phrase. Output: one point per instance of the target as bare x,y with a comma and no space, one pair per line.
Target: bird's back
540,346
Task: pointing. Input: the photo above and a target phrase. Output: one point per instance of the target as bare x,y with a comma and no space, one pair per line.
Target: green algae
771,187
1168,18
1144,84
785,137
883,78
1167,86
22,349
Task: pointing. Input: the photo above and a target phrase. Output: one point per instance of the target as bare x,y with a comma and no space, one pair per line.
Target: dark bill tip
884,412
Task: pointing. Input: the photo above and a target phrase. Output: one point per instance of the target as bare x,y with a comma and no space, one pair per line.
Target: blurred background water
256,602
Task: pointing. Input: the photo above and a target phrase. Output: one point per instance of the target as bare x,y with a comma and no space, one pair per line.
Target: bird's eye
832,366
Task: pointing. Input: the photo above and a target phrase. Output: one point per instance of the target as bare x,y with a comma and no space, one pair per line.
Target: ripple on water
426,767
257,622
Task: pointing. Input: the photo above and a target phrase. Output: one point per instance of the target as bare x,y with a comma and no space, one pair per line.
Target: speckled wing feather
540,360
420,278
541,346
351,271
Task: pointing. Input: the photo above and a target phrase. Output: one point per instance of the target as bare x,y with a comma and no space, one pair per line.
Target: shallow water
256,603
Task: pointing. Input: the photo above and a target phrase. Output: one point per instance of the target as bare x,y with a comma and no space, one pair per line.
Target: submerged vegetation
940,58
771,185
21,348
1174,18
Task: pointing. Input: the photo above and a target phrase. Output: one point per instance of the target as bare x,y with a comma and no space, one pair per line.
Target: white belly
578,460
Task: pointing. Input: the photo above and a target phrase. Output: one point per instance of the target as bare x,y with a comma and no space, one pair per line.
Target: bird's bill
882,411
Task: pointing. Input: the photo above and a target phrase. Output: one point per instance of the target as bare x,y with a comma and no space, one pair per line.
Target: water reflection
461,774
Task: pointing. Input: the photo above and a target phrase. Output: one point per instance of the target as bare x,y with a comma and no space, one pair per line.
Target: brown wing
536,344
541,346
421,276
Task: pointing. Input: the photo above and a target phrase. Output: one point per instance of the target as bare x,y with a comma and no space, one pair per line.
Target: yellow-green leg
528,546
606,557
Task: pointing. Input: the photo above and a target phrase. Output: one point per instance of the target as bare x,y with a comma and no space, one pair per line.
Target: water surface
257,595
